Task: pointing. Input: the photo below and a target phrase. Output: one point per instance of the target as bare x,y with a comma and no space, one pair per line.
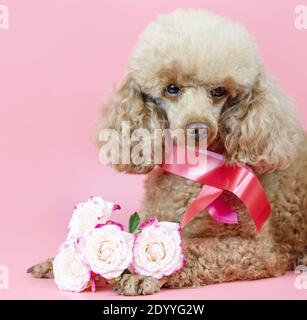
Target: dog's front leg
213,260
43,269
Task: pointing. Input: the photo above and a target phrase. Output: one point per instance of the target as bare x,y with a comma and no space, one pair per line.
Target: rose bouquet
98,248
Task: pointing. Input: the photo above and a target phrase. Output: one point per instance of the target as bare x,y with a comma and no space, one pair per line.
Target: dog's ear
262,130
127,107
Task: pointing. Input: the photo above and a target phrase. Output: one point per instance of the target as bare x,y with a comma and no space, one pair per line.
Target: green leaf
134,222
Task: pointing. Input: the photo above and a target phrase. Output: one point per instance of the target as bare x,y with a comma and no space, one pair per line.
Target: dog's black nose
198,130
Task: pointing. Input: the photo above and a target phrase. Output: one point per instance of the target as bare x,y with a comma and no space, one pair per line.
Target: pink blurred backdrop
58,60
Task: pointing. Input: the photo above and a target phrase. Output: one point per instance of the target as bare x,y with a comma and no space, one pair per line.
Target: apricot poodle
193,69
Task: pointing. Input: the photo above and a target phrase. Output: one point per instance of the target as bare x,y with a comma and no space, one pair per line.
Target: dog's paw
133,285
43,269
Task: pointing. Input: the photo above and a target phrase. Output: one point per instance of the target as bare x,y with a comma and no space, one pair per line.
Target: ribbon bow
216,177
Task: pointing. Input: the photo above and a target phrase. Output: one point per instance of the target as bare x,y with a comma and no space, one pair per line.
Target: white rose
71,273
157,251
88,214
108,250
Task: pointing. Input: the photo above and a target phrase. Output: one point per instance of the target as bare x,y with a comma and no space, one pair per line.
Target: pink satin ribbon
216,177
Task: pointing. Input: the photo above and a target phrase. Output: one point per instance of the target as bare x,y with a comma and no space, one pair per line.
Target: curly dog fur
253,124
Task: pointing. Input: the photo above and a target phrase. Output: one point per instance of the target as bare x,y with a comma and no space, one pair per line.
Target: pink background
57,61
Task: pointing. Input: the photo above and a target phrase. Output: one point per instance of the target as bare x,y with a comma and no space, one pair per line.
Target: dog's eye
218,93
172,89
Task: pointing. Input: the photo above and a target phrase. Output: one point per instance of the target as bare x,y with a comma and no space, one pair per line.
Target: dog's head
194,70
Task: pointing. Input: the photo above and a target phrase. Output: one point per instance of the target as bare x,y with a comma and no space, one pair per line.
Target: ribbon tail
220,211
206,196
251,193
209,198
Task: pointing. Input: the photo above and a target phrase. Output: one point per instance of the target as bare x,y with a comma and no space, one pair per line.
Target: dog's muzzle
198,130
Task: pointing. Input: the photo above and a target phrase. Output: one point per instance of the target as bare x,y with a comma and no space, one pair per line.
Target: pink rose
157,251
108,250
71,273
88,214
